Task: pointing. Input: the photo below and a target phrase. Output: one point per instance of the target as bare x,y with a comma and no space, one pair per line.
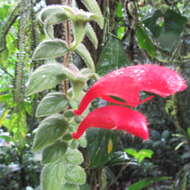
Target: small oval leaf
93,7
52,10
48,76
91,35
54,152
74,156
49,49
83,52
52,103
49,130
52,176
79,30
75,175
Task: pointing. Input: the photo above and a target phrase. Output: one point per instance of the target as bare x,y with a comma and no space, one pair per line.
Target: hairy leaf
53,102
92,35
52,176
79,30
74,156
54,152
53,10
49,130
93,7
83,52
48,76
49,49
75,175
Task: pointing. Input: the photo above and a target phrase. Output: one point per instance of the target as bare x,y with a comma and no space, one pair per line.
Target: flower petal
115,118
127,83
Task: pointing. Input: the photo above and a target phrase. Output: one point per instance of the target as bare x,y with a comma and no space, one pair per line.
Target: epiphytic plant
60,155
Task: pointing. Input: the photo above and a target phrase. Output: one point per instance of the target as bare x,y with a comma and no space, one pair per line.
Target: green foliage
168,32
161,30
52,103
54,152
112,57
60,156
50,49
93,7
146,182
145,42
56,14
49,130
91,35
52,176
48,76
140,155
73,156
71,187
100,138
75,175
85,55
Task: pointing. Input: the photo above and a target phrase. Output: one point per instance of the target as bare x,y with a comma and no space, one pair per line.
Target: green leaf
107,62
17,125
146,182
145,153
174,24
91,35
3,116
49,130
53,102
121,32
54,152
83,142
188,132
75,175
68,114
131,151
83,52
100,138
93,7
49,49
58,11
145,42
48,76
140,155
68,186
79,30
52,176
152,25
74,156
57,14
168,32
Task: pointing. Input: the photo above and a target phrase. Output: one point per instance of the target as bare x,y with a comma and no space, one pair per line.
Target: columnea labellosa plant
60,154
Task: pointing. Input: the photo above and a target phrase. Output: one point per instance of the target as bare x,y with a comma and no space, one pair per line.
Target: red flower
116,118
127,83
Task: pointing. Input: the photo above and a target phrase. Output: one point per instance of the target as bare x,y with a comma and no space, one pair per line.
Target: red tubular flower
116,118
127,83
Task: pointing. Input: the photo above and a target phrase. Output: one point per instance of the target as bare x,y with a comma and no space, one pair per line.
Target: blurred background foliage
135,31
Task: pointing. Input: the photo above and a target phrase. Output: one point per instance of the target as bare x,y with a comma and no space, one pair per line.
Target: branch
4,29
